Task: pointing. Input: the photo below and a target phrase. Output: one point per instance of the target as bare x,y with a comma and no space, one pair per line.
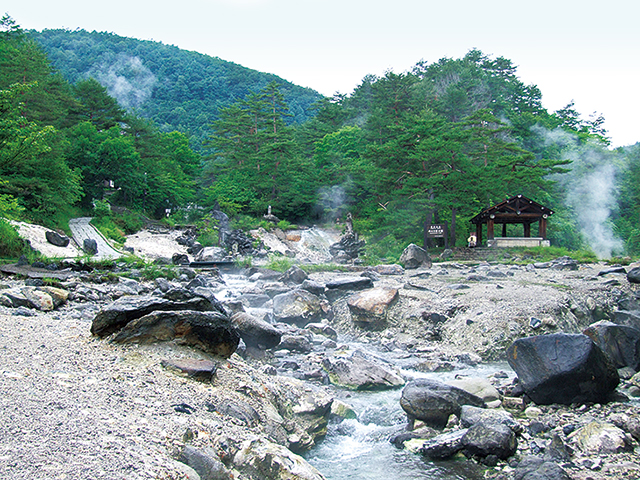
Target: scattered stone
54,238
536,468
90,246
370,306
295,275
599,438
202,370
484,439
298,307
256,333
443,446
359,373
415,257
619,342
205,462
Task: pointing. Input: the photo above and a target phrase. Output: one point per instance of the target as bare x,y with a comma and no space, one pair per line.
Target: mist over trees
152,127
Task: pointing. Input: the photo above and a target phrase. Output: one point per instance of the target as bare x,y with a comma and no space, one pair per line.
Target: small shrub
152,271
11,245
279,263
243,262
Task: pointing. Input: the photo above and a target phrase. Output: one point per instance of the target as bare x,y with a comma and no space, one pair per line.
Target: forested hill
177,89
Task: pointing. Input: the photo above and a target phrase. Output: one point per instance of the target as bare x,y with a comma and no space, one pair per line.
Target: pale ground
36,235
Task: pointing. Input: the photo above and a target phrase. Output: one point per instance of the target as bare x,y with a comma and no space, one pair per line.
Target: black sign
435,231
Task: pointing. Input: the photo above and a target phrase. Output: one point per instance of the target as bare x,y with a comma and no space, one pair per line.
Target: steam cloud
332,201
591,189
127,80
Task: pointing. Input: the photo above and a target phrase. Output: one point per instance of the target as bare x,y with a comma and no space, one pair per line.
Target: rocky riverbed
79,405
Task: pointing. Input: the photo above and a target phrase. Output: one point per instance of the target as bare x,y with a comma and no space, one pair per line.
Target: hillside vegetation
444,139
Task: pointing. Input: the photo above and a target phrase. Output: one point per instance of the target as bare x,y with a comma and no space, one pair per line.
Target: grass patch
279,263
324,267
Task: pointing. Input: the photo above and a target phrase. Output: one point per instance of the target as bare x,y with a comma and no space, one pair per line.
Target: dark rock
607,271
352,283
195,249
348,248
484,439
237,409
54,238
563,263
116,315
633,275
22,261
254,300
433,402
90,246
414,257
198,369
444,446
180,259
619,342
256,333
393,269
536,468
209,331
205,462
562,368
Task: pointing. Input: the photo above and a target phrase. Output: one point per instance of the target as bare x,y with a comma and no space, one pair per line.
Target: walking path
82,229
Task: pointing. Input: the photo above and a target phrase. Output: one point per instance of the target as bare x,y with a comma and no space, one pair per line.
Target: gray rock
536,468
90,246
484,439
205,462
209,331
198,369
295,343
298,307
633,275
433,402
414,257
470,416
444,446
359,373
256,333
350,283
295,275
313,287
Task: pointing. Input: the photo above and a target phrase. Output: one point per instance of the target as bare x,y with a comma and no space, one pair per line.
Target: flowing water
360,448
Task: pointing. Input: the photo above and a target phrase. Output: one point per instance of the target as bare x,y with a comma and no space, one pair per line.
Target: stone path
82,229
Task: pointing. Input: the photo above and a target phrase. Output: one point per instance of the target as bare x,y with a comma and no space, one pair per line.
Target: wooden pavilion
514,210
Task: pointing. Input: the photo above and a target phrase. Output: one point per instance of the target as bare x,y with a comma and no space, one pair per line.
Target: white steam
127,80
332,201
590,188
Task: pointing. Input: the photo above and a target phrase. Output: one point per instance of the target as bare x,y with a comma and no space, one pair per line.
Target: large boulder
359,373
54,238
414,257
620,343
295,275
562,368
633,275
211,332
433,402
369,307
470,416
90,246
256,333
443,446
116,315
600,438
536,468
298,307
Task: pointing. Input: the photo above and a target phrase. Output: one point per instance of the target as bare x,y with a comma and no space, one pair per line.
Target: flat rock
198,369
359,373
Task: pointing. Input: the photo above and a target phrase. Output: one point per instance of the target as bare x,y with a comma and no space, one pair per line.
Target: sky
583,51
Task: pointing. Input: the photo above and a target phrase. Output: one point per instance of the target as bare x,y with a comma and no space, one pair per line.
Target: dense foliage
443,140
179,90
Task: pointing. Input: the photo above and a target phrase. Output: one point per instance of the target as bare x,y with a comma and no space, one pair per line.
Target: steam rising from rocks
590,189
127,80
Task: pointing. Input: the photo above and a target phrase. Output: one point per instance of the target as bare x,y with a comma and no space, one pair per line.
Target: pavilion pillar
527,230
479,234
504,230
490,234
543,228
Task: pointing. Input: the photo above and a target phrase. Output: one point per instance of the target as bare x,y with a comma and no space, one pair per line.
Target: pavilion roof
517,209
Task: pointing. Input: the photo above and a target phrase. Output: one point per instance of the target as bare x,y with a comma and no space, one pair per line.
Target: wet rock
256,333
349,283
536,468
414,257
252,300
607,271
295,343
212,254
54,238
116,315
298,307
485,439
619,342
443,446
369,308
209,331
313,287
180,259
205,462
359,373
562,368
599,438
433,402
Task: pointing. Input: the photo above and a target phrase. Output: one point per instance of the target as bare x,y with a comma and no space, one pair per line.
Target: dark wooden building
515,210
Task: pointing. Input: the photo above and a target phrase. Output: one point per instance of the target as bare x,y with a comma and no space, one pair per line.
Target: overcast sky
585,51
